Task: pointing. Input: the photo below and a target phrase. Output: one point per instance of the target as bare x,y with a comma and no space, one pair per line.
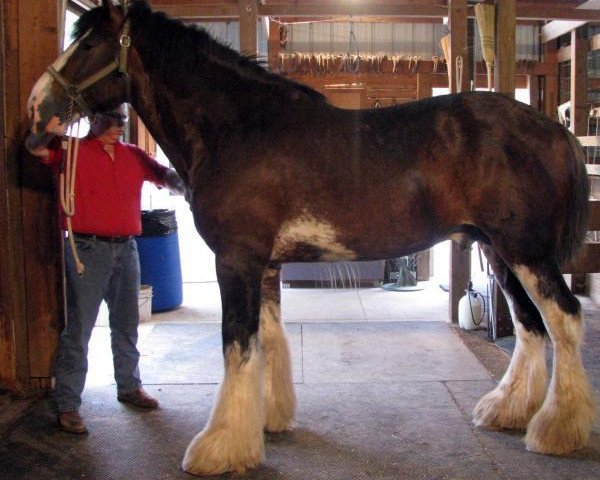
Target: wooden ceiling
582,10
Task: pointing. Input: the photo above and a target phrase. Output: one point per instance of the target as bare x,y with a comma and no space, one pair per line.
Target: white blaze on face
41,90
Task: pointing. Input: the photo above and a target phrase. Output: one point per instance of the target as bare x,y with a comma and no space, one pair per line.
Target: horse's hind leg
521,391
233,439
565,420
280,399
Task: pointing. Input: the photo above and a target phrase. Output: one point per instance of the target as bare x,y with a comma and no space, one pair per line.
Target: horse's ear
115,13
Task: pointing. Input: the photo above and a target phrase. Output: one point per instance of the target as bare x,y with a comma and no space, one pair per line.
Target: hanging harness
75,93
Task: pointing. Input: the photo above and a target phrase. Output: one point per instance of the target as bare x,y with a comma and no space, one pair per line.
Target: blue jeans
112,273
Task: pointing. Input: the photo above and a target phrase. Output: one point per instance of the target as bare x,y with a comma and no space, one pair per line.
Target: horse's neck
184,126
160,116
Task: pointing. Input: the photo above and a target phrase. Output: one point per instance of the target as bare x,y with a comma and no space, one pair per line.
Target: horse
276,174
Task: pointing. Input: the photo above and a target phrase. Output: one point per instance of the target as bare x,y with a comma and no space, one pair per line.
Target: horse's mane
169,39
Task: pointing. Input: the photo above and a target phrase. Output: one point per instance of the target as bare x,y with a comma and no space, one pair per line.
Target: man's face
109,126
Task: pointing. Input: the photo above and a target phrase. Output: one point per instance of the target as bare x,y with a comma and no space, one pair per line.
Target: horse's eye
87,46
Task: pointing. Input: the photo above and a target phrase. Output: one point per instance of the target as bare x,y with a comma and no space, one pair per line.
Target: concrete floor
385,391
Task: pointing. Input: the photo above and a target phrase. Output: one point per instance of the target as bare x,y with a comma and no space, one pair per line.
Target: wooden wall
30,246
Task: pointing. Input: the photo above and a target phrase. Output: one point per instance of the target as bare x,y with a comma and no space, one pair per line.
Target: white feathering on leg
233,439
521,391
280,399
565,420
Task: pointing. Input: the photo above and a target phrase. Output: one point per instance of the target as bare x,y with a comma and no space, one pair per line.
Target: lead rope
67,186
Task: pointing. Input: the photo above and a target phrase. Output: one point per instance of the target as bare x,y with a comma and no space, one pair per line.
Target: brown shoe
138,398
71,422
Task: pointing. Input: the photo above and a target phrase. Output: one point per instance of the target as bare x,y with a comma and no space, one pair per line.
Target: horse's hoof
557,431
279,415
497,411
220,451
279,425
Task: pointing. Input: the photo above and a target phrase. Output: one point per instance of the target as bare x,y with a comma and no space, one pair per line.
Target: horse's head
88,77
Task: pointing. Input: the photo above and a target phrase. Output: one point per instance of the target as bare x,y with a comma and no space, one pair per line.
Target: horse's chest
307,238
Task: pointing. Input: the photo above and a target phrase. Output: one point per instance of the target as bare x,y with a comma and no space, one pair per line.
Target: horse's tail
573,236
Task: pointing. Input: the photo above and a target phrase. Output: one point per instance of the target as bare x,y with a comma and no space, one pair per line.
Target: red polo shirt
108,192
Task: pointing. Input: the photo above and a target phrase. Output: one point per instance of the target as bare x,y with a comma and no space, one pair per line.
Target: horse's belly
307,238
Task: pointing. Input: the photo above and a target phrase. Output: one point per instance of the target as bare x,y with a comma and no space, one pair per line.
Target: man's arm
159,174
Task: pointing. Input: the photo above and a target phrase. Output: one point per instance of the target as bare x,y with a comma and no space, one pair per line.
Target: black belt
116,239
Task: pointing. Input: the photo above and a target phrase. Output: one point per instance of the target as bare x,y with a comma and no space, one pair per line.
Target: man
108,187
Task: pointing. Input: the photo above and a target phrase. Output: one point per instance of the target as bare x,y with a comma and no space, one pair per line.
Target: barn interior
386,378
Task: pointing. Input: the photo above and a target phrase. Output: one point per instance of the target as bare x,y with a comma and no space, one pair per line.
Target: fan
404,271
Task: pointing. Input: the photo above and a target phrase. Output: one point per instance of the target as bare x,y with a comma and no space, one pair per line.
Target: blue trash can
160,264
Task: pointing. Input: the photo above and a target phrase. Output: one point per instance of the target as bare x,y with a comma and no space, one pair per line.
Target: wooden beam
14,372
579,96
457,24
274,43
557,28
353,9
198,11
202,9
589,141
42,239
248,25
460,259
424,87
504,70
30,292
549,11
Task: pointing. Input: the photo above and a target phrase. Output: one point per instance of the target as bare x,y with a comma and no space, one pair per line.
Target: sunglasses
117,118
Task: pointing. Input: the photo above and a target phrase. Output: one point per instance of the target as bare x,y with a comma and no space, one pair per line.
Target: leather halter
75,90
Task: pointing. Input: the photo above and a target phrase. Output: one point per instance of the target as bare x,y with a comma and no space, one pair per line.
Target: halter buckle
125,41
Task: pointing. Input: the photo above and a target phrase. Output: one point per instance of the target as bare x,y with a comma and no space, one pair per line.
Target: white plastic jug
471,309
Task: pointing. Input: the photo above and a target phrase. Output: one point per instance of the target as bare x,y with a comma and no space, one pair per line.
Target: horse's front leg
280,399
233,439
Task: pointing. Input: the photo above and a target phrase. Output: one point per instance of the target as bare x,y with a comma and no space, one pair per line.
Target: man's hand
42,152
43,146
174,183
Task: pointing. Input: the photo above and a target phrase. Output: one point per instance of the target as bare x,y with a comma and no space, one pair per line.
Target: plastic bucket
145,302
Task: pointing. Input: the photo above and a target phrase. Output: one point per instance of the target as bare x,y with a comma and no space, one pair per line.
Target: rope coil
67,186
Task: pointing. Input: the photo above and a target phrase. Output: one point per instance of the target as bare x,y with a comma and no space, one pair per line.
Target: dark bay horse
276,174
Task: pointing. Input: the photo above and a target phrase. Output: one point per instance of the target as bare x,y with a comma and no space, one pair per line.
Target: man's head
108,126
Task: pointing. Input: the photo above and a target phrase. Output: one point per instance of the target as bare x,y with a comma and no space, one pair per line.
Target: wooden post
533,85
504,82
460,260
274,44
424,85
30,243
504,70
457,23
579,77
551,81
579,109
248,20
